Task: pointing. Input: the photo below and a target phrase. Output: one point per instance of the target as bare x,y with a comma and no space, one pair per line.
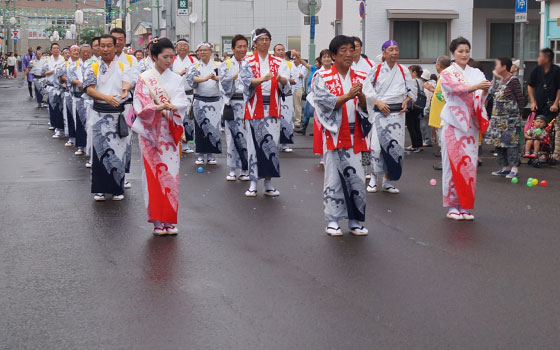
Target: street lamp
79,20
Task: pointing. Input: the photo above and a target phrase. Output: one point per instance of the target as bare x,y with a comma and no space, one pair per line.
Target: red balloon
544,183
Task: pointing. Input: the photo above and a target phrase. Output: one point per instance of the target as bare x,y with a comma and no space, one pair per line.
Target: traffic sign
182,7
362,9
15,34
520,11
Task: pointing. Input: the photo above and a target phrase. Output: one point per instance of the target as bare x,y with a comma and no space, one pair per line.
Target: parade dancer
388,88
231,88
159,103
88,101
463,119
105,81
54,91
69,110
35,69
181,64
263,76
341,108
133,71
76,78
360,63
287,121
207,105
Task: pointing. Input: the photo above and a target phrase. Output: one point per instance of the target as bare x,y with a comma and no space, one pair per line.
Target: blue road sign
520,5
362,9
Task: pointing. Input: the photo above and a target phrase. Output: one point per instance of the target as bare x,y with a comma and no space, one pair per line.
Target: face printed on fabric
164,60
391,54
107,49
121,41
182,49
280,51
462,54
85,53
95,48
344,56
240,49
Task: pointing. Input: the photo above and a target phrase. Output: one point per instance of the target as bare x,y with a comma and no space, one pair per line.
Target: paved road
260,273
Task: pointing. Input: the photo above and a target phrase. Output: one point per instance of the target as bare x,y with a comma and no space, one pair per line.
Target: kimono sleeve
451,86
179,101
227,84
143,103
192,72
246,76
132,72
284,71
369,89
59,71
325,103
71,75
89,78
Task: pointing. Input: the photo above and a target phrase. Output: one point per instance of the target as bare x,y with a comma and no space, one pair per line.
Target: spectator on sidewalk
544,86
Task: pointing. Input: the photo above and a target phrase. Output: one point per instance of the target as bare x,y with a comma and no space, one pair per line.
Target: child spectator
534,137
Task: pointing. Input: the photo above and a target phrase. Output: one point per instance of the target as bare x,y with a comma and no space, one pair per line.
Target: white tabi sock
386,183
373,180
268,185
333,224
253,186
354,223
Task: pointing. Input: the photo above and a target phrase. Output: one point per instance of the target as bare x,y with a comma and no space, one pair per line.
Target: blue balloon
200,169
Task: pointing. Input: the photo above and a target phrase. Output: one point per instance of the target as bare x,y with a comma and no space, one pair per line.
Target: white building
424,28
227,18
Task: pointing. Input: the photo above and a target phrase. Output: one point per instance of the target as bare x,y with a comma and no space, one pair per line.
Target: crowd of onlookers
10,64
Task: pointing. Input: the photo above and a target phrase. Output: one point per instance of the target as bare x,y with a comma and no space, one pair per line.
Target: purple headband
389,43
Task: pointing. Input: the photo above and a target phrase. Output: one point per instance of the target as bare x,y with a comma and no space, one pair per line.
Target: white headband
203,44
255,36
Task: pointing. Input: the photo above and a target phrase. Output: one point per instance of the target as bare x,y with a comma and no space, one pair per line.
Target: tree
88,33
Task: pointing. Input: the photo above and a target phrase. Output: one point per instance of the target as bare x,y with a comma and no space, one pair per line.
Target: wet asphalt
260,273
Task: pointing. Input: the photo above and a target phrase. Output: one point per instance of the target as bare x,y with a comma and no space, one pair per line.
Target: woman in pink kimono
464,118
159,103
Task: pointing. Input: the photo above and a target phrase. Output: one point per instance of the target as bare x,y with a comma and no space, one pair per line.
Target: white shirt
235,65
350,106
300,81
283,71
11,61
363,65
132,71
180,64
211,87
52,64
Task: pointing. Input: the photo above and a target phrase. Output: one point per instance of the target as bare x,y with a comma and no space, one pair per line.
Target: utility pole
206,21
364,29
312,4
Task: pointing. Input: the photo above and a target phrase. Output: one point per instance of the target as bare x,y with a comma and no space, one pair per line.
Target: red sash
344,136
254,109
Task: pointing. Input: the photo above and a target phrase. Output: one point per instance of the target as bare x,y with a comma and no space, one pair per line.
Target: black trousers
413,126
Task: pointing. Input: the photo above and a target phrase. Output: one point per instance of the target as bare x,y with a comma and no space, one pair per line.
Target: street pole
312,5
206,21
522,52
364,30
168,19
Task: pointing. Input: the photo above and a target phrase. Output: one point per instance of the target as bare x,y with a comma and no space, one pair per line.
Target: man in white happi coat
181,64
